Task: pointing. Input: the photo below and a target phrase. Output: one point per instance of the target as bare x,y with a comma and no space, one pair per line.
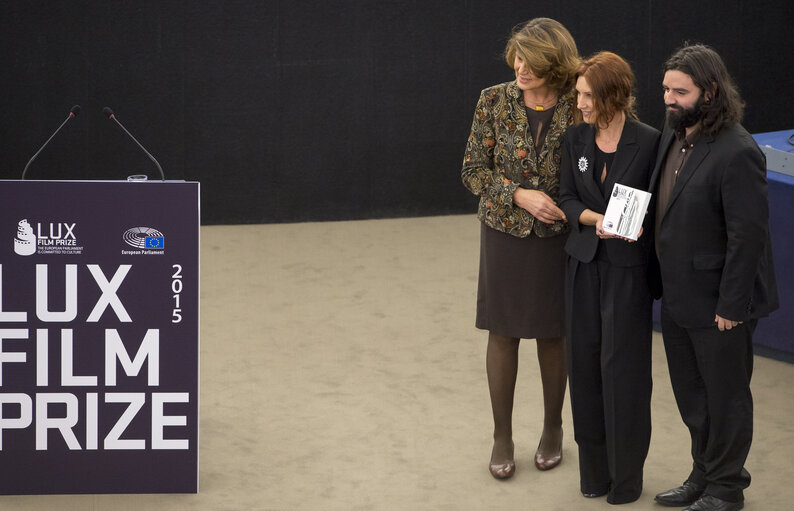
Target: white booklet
626,211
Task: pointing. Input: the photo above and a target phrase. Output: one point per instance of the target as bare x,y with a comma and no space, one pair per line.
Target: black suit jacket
632,166
715,253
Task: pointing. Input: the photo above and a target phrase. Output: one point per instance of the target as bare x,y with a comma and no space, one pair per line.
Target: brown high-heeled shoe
503,470
544,463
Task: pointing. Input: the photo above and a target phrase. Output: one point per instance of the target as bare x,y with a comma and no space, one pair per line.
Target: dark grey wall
320,110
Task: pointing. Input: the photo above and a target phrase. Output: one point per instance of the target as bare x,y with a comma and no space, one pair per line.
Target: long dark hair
724,104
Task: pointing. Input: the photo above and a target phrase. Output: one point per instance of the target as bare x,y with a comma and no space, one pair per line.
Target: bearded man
714,255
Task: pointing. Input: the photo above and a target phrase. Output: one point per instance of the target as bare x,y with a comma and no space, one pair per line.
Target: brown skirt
521,286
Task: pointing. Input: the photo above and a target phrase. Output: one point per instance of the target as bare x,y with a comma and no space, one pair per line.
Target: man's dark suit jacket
715,253
632,166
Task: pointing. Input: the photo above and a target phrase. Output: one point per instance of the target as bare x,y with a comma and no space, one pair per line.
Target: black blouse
539,120
602,159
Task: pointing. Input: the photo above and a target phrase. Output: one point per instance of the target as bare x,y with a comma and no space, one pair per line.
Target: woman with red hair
607,297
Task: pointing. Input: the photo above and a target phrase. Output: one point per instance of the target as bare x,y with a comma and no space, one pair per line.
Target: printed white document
626,211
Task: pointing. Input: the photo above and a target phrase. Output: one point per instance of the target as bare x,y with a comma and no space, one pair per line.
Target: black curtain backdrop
325,110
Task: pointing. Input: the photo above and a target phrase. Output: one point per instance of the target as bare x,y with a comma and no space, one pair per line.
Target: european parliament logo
144,238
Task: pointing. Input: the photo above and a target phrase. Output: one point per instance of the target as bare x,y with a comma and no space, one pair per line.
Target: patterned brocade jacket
500,157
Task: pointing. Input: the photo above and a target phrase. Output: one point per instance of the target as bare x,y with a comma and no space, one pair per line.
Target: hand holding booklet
626,211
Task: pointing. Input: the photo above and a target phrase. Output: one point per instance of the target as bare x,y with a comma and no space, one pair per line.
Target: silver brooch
582,164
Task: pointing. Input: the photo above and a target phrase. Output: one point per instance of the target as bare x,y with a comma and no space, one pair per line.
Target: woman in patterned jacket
512,163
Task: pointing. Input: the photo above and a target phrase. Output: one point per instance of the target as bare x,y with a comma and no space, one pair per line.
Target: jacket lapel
585,163
699,152
664,147
522,138
558,126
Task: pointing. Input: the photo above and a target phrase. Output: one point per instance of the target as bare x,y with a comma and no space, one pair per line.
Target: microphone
72,113
107,111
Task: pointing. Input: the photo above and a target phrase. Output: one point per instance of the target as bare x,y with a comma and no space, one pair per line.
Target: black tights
502,368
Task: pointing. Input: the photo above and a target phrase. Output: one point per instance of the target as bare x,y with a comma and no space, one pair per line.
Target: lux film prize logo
60,239
25,240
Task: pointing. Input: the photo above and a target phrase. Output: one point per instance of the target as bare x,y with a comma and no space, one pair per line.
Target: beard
679,118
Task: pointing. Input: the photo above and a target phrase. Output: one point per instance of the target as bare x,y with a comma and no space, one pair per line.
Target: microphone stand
112,116
73,113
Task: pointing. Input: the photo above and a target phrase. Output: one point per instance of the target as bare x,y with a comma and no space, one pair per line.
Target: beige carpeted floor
341,370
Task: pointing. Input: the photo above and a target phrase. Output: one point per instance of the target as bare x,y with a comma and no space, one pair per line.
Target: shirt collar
688,141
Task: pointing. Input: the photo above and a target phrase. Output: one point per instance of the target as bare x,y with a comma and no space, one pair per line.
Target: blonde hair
548,49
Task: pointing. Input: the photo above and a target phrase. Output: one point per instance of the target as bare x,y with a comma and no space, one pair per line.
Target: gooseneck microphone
72,113
107,111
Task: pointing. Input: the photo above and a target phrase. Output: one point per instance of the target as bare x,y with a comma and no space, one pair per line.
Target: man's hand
725,324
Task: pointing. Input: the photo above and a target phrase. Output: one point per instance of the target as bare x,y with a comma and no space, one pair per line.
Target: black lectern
99,336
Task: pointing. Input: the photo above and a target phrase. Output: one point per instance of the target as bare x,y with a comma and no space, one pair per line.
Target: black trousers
710,372
608,327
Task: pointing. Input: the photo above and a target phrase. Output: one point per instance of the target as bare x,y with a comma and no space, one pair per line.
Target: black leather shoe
711,503
594,495
684,495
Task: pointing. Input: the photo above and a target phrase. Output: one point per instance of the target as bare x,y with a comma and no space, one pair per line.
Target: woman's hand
539,205
600,229
605,235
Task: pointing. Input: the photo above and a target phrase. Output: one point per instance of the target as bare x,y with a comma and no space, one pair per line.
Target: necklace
541,107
